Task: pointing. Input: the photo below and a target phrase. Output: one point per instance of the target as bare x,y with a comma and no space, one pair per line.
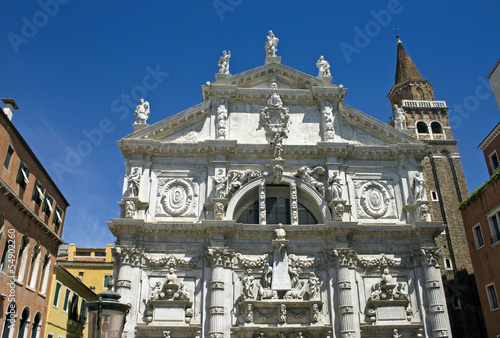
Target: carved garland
251,262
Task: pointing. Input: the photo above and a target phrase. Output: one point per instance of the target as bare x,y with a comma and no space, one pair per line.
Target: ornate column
438,316
127,258
219,259
345,259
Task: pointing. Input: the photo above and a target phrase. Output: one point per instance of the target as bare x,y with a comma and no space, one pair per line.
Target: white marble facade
200,251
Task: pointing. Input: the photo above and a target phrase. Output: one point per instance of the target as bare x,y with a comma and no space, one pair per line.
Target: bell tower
416,112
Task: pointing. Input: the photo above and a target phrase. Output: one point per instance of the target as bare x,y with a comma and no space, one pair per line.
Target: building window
57,220
50,335
47,205
83,311
66,300
422,127
434,195
478,236
23,323
23,176
108,280
494,227
38,192
73,312
494,161
8,327
22,257
100,254
436,128
57,293
6,162
447,263
492,296
34,266
36,326
45,273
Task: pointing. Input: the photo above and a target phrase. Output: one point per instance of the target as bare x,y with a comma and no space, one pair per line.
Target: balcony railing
423,104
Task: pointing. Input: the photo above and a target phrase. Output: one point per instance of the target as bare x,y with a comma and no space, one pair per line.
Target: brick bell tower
426,119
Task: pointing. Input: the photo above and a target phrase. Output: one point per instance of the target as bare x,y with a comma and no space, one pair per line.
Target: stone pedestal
273,59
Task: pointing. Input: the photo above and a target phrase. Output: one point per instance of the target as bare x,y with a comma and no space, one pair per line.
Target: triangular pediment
284,76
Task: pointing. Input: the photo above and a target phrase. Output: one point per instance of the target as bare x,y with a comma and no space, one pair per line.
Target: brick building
32,211
481,215
427,120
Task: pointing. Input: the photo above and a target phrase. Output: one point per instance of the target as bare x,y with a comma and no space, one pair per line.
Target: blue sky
75,68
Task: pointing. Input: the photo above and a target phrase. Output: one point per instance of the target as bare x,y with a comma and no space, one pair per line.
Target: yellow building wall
58,323
93,272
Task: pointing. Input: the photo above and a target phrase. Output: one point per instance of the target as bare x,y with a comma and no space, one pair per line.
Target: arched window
37,324
436,128
44,276
22,257
277,206
10,320
23,322
34,266
422,127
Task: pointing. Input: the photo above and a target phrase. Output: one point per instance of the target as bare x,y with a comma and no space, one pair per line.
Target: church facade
273,209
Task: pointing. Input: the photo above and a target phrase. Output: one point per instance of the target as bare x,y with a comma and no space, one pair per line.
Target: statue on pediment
271,44
323,67
142,112
224,62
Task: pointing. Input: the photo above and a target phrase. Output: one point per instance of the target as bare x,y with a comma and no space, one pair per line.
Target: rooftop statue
271,44
323,67
224,62
142,112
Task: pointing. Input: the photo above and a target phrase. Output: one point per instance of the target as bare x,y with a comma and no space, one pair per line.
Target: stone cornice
11,195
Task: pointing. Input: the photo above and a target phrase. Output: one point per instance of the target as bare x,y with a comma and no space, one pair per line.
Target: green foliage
476,193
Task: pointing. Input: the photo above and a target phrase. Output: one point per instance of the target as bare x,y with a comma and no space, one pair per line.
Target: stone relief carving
142,112
262,203
374,199
418,187
170,260
423,212
186,137
339,211
220,257
129,255
328,118
294,204
271,44
278,173
345,257
133,182
430,256
277,144
305,263
311,177
382,261
323,67
219,210
237,178
399,117
177,197
314,286
248,282
130,209
253,262
275,119
224,62
388,293
220,184
222,119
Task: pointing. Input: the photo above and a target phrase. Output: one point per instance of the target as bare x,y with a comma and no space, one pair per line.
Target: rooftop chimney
9,107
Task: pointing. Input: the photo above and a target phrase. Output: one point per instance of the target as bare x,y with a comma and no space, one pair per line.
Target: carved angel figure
311,176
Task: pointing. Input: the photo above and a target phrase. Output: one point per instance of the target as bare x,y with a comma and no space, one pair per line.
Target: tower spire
405,68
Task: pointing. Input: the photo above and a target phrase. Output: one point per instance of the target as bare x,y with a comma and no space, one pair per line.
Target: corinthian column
220,259
345,259
438,316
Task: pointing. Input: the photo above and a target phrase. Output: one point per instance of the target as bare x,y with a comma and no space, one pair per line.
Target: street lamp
106,316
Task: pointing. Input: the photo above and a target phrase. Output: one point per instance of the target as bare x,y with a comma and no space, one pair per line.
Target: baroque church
273,209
